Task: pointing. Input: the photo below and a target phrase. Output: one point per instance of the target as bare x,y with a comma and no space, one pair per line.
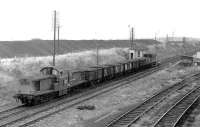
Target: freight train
53,83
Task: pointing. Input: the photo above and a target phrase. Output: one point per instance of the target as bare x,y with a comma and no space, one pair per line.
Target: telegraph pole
184,46
167,38
97,54
132,37
58,39
173,36
54,39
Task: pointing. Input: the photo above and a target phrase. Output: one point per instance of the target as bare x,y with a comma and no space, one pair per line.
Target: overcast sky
98,19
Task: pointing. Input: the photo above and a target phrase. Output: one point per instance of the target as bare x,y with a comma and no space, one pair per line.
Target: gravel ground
193,119
110,102
151,116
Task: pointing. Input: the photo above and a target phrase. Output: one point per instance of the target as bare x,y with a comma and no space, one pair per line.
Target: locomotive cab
49,71
38,89
53,75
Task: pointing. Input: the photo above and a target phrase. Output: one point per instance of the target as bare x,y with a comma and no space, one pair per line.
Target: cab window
54,72
46,71
49,71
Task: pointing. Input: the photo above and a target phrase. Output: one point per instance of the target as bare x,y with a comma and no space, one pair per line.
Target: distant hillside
44,47
179,39
147,41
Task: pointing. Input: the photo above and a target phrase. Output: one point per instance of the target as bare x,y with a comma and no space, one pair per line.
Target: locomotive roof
53,67
37,77
44,77
62,69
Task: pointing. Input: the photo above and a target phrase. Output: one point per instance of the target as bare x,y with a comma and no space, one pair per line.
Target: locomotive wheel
92,83
34,102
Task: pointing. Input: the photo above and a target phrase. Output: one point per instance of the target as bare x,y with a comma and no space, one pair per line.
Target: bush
30,66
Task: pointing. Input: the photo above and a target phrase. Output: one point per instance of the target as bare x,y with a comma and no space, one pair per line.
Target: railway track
174,114
11,111
15,117
131,116
18,114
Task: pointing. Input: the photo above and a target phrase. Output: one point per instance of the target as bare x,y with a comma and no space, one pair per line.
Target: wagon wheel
34,102
93,83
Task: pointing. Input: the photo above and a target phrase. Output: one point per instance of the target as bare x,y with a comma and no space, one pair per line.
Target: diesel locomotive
53,83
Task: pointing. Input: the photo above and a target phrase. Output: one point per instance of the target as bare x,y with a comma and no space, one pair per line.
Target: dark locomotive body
53,83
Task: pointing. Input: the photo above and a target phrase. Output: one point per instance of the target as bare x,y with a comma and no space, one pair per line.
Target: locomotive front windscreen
49,71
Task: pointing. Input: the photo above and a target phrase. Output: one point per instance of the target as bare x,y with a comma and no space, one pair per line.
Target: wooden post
58,39
54,39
